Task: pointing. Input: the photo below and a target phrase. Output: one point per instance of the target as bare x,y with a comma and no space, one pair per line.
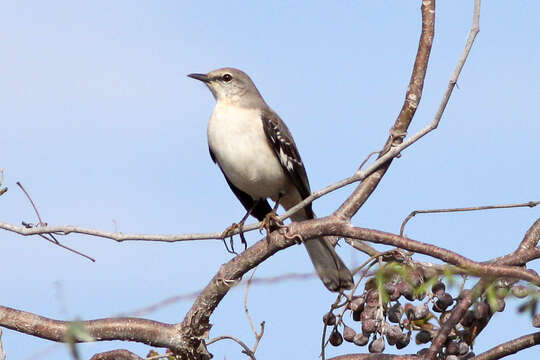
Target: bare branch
399,130
530,240
258,336
463,209
190,296
52,239
131,329
328,226
2,190
246,350
41,223
510,347
2,352
68,229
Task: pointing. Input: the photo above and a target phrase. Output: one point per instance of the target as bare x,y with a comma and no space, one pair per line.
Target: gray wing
282,143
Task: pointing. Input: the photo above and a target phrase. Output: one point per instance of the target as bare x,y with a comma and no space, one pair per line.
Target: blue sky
102,126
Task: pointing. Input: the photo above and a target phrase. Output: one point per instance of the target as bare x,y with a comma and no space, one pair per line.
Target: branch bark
510,347
399,130
131,329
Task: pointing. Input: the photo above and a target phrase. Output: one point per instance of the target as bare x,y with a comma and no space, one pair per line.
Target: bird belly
237,139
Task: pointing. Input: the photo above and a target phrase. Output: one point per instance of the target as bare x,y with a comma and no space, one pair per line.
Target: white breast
237,139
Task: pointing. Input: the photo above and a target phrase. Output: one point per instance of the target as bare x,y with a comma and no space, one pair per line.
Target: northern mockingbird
259,159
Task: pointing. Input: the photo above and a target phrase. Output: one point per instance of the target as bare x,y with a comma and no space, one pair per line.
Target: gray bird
259,159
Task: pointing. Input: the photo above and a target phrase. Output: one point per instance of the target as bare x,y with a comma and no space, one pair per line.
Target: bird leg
271,221
229,232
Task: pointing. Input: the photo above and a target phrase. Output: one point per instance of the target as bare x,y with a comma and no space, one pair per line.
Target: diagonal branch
510,347
531,238
399,130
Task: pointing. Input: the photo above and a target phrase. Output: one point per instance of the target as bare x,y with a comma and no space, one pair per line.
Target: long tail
329,266
331,270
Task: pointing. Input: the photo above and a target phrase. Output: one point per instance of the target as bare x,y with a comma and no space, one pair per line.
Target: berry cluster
425,305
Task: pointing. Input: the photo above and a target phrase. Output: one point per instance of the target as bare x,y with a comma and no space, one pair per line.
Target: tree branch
510,347
131,329
463,209
399,130
530,240
246,350
2,352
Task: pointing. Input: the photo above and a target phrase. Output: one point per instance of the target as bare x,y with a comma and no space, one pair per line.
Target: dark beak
202,77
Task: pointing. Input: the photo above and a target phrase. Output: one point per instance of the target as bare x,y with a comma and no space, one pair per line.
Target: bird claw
296,237
229,233
270,222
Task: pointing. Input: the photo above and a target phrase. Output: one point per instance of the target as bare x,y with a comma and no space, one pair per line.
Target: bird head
232,86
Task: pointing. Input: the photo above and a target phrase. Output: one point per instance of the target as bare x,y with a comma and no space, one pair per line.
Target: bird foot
296,237
230,232
271,222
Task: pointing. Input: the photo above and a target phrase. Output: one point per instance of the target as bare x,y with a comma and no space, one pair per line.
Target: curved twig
463,209
246,350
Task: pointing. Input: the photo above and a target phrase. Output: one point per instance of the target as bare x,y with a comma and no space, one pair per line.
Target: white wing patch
285,160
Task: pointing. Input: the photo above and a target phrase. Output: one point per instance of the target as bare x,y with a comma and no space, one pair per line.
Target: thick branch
412,99
530,240
329,226
196,322
131,329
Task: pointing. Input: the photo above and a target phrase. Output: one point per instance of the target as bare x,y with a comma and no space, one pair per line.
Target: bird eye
226,77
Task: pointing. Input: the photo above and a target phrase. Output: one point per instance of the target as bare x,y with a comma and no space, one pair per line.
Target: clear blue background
102,126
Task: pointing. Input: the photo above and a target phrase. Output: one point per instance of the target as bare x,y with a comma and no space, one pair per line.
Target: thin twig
472,208
258,336
2,352
246,350
184,297
362,246
41,223
57,243
367,158
2,190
